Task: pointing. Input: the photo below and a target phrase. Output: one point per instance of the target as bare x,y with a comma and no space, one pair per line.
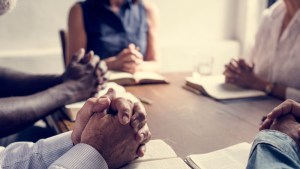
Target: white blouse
278,60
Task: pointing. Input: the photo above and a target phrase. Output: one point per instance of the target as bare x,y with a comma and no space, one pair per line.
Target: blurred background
189,30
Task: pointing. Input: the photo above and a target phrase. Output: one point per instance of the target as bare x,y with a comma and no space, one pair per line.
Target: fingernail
141,137
110,90
135,123
125,119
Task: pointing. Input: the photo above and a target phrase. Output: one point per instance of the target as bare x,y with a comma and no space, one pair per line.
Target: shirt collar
127,4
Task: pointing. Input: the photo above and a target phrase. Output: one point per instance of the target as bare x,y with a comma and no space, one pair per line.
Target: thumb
91,106
78,55
131,46
87,58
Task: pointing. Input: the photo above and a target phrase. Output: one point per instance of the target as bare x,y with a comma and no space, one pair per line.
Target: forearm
35,155
19,112
80,156
14,83
111,63
278,90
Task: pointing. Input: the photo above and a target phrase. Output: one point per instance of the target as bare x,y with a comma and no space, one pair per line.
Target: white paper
143,75
173,163
120,91
216,87
233,157
157,149
113,75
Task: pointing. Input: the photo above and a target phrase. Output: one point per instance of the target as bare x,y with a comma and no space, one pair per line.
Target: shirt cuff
81,156
54,147
278,140
292,93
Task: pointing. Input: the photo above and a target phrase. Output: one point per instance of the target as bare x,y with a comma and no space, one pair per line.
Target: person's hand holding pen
128,60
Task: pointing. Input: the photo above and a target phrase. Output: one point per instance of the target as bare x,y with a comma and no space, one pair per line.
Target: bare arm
19,112
76,32
15,83
152,58
81,81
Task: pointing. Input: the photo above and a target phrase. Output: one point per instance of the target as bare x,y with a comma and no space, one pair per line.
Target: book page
235,156
216,87
119,91
157,149
147,75
113,75
72,109
172,163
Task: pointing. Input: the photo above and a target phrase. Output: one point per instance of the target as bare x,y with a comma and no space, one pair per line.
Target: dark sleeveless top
109,33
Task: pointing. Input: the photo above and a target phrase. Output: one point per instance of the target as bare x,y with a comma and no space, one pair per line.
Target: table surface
190,123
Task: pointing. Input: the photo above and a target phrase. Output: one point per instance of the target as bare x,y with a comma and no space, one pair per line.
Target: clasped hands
128,60
83,77
285,118
240,73
115,127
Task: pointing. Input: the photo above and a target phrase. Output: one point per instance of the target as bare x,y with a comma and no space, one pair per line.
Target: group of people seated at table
110,132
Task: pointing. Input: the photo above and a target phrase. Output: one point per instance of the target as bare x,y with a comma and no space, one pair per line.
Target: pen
145,100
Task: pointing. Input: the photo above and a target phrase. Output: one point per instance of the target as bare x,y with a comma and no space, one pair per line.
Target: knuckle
141,116
90,101
289,101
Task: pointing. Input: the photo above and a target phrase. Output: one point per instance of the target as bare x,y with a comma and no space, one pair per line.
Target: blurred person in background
273,64
124,33
26,98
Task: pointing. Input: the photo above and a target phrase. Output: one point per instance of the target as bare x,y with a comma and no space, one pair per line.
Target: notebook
72,109
233,157
216,88
158,155
141,77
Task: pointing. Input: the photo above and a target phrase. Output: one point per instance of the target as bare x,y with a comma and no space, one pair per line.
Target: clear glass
203,66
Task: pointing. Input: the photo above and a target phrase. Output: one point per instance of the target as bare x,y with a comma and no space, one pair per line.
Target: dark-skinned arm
17,113
15,83
80,81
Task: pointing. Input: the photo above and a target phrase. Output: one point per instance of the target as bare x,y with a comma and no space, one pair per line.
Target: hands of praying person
287,107
284,118
83,76
128,60
240,73
288,125
115,127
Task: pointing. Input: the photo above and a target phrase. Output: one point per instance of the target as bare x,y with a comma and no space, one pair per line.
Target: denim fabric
273,150
108,33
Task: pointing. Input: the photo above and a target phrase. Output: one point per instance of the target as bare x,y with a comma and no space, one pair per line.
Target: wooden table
191,123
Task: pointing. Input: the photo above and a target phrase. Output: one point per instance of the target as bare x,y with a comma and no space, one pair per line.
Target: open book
158,155
72,109
233,157
215,87
142,77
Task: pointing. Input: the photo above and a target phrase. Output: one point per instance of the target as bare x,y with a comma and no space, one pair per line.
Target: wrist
65,91
59,78
111,63
261,85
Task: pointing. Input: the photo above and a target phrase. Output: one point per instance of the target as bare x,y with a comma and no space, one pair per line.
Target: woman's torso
109,33
278,59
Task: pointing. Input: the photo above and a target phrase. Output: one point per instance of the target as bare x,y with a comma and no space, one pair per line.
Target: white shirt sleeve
80,156
35,155
292,93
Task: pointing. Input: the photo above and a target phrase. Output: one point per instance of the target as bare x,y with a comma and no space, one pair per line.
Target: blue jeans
273,150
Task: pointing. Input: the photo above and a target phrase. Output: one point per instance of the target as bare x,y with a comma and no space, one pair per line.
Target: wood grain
192,123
